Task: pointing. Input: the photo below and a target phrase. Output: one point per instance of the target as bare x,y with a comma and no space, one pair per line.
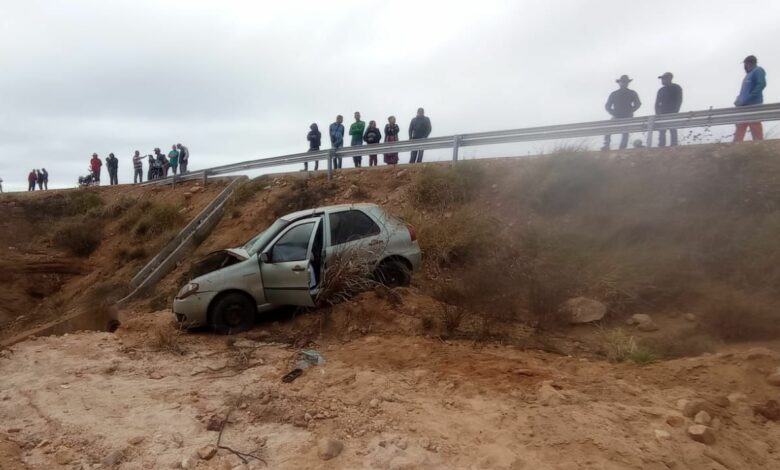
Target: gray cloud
238,80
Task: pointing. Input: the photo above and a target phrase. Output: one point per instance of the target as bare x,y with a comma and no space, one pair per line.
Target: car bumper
193,310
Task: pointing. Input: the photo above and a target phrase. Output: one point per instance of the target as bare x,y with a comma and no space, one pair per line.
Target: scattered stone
307,417
155,375
675,421
329,448
701,433
43,443
177,439
207,452
769,410
214,423
643,322
690,317
774,377
583,310
691,407
113,458
189,462
721,401
425,443
64,456
136,440
548,396
737,397
374,403
662,435
702,417
402,444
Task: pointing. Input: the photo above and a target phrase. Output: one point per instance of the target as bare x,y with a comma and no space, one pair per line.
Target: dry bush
452,238
131,254
248,189
441,187
159,218
740,316
81,237
118,208
618,345
299,195
349,273
167,338
82,201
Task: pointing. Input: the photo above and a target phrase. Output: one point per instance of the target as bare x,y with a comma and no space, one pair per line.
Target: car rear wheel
393,273
233,313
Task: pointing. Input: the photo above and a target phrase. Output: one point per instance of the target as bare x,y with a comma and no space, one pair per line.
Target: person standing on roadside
315,139
668,101
150,172
622,103
336,131
391,135
356,132
1,185
751,93
32,177
112,163
138,168
419,128
45,175
173,159
372,136
162,163
39,179
184,158
95,165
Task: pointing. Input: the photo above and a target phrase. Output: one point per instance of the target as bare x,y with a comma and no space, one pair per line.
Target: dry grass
301,194
439,187
349,273
167,338
81,236
621,347
155,219
454,237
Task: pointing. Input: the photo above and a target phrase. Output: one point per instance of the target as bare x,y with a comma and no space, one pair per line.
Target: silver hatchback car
284,264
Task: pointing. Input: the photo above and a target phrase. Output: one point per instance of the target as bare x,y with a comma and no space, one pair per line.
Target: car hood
238,252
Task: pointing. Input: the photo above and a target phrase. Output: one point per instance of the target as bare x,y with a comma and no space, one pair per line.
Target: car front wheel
233,313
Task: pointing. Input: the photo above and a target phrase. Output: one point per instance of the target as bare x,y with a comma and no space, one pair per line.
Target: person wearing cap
668,101
622,103
752,93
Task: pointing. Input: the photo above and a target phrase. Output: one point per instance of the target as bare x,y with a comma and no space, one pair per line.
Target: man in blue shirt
668,101
337,138
752,93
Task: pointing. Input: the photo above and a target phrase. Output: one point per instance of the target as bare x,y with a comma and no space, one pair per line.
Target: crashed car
286,263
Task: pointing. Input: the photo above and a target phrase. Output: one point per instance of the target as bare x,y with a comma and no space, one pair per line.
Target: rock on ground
774,377
701,433
548,396
702,417
207,452
583,310
329,448
643,322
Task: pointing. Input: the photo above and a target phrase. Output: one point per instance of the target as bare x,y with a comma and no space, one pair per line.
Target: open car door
289,266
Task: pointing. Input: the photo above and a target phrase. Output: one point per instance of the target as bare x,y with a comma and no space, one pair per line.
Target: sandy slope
394,401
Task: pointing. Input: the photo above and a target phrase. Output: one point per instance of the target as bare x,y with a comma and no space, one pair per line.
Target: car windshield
256,244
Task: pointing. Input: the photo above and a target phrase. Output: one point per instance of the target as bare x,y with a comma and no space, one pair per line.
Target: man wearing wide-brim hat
622,103
751,93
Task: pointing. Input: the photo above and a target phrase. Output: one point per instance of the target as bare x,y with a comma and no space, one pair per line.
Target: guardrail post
173,181
455,147
650,129
331,156
205,177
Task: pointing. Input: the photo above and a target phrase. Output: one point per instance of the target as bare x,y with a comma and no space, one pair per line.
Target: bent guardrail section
647,124
159,266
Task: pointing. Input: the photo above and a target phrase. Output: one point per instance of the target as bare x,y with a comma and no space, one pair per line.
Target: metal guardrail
647,124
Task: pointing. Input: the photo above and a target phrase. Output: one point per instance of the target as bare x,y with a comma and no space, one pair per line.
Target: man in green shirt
173,158
356,131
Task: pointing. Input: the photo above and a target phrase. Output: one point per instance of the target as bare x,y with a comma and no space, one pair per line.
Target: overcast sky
238,80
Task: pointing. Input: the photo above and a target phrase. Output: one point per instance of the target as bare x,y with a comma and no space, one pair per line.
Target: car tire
393,273
233,313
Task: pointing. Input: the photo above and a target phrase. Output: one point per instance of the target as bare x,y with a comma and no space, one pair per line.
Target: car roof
327,209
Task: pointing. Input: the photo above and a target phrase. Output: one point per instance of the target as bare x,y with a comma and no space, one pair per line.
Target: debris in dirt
374,403
702,417
675,421
64,456
662,435
774,377
113,458
690,317
215,423
643,322
547,395
329,448
736,397
136,440
309,358
189,462
207,452
12,430
292,375
701,433
178,439
690,408
583,310
769,410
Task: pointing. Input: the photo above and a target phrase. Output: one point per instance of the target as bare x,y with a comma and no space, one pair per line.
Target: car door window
351,225
293,245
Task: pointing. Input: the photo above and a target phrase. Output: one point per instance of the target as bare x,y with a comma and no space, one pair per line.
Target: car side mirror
265,258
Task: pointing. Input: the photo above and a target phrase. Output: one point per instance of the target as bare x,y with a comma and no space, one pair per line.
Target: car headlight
188,290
